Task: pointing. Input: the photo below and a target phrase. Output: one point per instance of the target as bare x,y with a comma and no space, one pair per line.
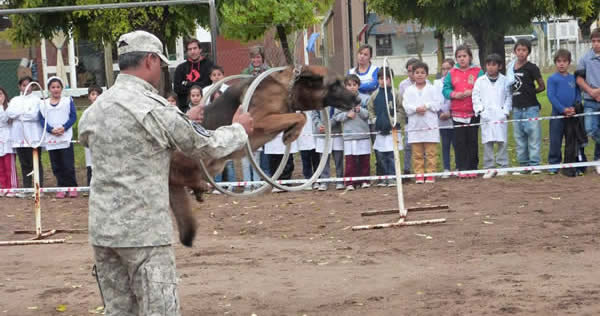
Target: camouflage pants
138,281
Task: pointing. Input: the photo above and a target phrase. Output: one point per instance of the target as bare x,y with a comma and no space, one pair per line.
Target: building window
383,45
330,41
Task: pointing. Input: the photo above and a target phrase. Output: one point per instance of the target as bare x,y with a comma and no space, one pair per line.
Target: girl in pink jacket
458,87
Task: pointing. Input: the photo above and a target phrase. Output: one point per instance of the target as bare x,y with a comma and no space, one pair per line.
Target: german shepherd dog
273,109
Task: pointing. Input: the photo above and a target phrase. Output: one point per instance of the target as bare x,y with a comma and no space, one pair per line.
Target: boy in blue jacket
563,94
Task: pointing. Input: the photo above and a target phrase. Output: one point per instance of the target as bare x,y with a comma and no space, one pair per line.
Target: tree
250,19
486,20
105,26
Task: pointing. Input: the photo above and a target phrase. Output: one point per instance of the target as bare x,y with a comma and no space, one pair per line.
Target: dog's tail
182,209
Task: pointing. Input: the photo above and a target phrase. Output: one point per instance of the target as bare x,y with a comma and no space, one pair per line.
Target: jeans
264,163
407,155
386,161
527,136
248,171
447,138
592,122
557,131
490,159
338,159
310,162
228,173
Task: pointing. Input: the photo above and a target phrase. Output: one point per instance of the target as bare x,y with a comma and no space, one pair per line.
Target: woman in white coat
492,100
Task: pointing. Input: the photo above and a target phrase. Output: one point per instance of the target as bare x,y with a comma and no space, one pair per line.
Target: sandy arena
513,246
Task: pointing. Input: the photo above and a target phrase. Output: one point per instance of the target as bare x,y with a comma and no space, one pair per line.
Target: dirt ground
513,246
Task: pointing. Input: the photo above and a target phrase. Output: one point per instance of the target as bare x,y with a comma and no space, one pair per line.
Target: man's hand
421,110
467,93
459,95
351,114
245,120
196,113
321,129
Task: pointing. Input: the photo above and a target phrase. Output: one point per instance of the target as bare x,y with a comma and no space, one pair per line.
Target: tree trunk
441,54
284,44
489,42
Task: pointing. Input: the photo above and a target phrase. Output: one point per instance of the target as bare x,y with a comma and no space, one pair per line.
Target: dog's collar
295,76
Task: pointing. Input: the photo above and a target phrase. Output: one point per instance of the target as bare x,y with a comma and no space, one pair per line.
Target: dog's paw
187,236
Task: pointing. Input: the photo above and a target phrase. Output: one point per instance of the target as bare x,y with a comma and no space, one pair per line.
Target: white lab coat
5,144
413,98
493,102
276,146
25,130
306,141
56,116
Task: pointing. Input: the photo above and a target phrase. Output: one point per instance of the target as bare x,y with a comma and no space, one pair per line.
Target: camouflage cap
140,41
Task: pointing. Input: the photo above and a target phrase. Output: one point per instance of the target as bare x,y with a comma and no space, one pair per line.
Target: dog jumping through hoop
273,107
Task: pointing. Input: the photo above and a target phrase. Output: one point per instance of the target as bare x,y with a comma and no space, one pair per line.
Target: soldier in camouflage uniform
131,132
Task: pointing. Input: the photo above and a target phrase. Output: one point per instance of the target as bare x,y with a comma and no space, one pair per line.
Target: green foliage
105,25
251,19
497,15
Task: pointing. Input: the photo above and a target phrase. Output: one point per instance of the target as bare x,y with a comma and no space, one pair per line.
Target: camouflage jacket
131,133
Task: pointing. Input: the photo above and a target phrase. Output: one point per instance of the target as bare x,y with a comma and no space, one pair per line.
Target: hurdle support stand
403,212
40,235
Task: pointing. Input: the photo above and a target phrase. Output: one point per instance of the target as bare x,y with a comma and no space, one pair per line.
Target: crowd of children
429,113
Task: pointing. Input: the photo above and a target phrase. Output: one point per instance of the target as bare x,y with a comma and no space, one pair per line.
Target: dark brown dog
273,109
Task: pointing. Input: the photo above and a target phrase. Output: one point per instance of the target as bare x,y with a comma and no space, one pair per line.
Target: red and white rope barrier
332,180
533,119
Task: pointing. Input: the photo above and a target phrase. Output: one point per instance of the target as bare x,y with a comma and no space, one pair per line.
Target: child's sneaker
10,195
501,173
350,187
339,186
391,183
382,183
315,186
598,169
489,174
535,172
365,185
420,180
463,176
446,174
322,187
73,194
518,173
472,175
430,179
60,195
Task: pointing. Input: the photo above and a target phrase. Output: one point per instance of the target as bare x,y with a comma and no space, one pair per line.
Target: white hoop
273,179
215,87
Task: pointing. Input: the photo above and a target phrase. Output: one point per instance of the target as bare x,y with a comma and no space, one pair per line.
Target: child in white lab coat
492,100
422,104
